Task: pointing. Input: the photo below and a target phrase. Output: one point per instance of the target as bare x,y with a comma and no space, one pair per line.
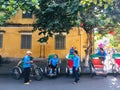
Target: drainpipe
40,50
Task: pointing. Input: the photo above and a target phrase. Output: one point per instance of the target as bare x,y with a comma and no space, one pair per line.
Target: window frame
61,42
23,46
1,40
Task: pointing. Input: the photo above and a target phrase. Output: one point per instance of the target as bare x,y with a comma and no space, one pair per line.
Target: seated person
72,49
102,54
53,63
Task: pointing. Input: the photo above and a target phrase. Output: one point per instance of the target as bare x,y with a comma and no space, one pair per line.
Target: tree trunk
88,51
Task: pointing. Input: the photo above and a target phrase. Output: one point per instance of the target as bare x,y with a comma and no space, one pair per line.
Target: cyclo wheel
79,71
67,72
91,70
114,71
16,73
38,75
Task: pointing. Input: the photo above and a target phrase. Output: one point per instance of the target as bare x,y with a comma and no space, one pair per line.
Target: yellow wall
74,38
19,20
11,40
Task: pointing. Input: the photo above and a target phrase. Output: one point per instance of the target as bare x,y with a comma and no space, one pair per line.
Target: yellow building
16,38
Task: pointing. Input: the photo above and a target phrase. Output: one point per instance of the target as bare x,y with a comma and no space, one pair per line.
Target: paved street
62,83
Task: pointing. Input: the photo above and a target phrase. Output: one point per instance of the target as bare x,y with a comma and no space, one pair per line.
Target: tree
96,15
101,15
55,16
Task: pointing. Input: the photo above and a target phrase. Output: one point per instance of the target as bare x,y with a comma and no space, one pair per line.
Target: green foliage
9,8
57,16
94,13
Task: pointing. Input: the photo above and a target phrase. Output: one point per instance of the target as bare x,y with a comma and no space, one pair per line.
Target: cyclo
116,64
36,72
52,72
69,67
97,66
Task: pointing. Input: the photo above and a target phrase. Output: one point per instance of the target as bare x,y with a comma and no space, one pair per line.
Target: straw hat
28,52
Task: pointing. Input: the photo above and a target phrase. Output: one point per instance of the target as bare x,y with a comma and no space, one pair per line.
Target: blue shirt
25,62
76,61
102,54
54,61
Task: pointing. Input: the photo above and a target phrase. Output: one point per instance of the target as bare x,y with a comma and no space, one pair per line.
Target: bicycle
36,72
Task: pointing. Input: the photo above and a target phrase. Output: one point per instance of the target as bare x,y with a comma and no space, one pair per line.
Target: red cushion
118,62
70,63
98,66
96,62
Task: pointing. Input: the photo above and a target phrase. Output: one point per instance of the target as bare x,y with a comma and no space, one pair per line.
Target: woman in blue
26,66
53,63
76,65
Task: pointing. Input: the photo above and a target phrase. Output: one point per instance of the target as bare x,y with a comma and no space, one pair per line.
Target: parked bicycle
36,72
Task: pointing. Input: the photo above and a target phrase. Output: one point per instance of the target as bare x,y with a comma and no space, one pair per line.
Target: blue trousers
75,74
26,75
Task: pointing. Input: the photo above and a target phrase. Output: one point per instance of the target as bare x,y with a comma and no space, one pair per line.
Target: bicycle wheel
16,73
38,74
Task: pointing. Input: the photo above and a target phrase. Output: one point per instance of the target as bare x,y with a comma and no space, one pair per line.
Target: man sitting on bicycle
53,63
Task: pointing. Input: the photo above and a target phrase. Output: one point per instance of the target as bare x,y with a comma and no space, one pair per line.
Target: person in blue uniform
102,54
26,67
53,62
76,65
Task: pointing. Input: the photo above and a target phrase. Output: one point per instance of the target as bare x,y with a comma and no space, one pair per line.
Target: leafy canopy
57,16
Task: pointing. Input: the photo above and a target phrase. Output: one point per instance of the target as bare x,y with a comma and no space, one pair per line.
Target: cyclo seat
70,63
97,63
117,61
